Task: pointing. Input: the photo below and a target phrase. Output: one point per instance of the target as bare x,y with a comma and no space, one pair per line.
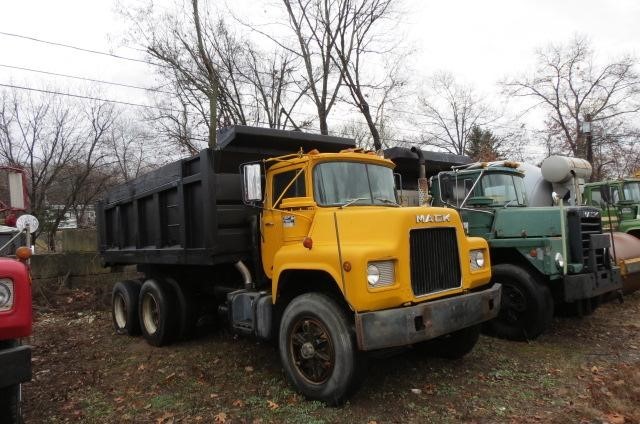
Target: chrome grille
434,260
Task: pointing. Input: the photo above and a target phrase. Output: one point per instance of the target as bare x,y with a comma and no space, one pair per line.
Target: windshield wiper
352,201
387,201
506,205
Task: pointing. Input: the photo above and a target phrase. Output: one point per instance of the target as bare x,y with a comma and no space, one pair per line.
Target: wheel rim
120,311
513,305
312,351
150,313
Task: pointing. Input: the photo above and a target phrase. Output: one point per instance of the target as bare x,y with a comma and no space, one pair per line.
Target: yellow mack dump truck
310,249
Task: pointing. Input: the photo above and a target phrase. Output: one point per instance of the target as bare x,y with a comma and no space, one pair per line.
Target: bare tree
201,57
58,143
449,111
130,151
356,24
315,25
572,87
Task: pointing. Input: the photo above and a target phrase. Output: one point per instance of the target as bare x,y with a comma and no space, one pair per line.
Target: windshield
504,189
632,191
338,183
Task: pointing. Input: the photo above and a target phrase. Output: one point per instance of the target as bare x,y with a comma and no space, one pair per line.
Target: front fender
296,257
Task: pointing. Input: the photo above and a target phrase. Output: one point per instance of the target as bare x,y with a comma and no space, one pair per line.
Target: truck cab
337,213
623,212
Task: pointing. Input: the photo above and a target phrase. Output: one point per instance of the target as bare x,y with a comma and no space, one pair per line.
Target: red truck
15,301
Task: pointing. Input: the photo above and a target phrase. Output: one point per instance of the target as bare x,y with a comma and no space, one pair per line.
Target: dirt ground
583,370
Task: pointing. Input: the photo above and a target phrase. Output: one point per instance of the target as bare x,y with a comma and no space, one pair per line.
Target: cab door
283,184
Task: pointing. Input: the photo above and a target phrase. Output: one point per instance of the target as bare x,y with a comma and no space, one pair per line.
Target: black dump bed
407,163
191,211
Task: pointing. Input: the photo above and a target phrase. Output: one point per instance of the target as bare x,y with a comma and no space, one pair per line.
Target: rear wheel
318,348
526,308
124,307
157,312
187,308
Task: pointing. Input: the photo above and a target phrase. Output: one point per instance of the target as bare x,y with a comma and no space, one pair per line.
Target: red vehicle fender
16,322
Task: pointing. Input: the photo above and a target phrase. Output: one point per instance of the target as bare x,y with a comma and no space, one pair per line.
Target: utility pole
586,128
585,131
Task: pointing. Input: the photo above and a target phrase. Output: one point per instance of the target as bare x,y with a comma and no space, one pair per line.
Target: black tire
124,307
318,349
157,311
526,309
582,307
10,405
188,310
452,346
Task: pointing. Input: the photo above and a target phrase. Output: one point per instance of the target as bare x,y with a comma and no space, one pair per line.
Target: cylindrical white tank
538,190
557,169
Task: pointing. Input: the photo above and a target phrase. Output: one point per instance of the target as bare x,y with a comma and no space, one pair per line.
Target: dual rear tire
162,310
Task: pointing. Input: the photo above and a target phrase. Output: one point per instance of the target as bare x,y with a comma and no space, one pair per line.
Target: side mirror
605,193
446,188
251,182
17,193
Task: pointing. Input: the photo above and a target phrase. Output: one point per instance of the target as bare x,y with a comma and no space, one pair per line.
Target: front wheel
10,405
318,349
526,308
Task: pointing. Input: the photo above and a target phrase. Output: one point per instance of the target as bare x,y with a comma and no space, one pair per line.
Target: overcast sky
478,41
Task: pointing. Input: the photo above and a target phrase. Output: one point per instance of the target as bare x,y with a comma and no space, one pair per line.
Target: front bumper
15,365
412,324
586,286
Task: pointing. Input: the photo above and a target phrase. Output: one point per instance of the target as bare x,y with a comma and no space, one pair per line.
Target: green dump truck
545,256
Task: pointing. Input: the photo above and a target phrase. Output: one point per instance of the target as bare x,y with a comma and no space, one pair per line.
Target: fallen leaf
213,395
416,391
141,367
119,399
594,369
272,405
238,403
170,376
220,418
248,369
615,418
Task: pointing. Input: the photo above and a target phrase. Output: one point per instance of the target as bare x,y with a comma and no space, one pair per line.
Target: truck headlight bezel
380,273
476,259
6,294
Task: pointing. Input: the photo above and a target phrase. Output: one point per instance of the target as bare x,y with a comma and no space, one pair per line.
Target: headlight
476,259
559,260
380,273
6,295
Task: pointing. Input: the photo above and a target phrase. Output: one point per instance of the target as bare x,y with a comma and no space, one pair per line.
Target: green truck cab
544,257
623,213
